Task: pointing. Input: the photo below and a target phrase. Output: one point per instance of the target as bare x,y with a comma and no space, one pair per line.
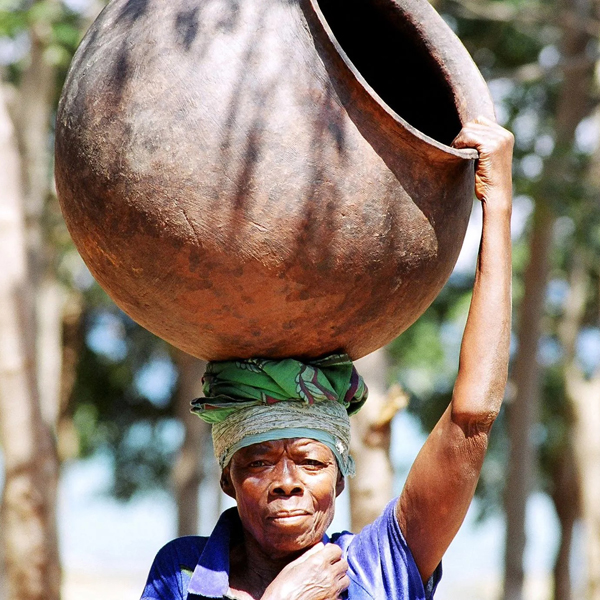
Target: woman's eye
309,462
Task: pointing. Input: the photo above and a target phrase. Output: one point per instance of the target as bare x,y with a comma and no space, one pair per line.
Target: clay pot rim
466,154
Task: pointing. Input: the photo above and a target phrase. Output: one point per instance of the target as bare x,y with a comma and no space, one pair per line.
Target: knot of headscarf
232,385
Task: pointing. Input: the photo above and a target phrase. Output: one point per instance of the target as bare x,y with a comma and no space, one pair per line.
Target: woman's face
285,492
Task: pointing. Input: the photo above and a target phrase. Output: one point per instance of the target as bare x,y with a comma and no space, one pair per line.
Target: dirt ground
102,586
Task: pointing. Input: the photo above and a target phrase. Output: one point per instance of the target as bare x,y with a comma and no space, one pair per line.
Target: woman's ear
226,484
340,484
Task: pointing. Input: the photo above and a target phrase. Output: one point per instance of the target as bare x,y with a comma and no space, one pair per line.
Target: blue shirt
381,566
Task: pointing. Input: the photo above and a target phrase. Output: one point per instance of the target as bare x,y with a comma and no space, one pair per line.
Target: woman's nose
286,480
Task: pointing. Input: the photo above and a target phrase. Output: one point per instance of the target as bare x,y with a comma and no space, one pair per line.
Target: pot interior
396,63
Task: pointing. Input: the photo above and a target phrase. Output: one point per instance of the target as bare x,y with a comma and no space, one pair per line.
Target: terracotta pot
269,177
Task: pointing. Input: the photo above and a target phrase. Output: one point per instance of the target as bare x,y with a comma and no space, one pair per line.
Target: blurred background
102,462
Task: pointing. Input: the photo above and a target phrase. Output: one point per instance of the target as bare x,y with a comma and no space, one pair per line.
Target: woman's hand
494,167
319,574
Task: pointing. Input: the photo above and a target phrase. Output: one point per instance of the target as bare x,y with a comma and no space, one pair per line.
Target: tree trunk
584,396
523,410
188,471
565,495
32,119
29,502
28,516
33,115
50,301
73,340
372,488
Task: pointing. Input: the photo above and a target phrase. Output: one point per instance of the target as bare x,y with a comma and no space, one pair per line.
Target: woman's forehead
289,444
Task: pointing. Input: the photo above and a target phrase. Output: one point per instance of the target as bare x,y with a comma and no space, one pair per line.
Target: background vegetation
77,377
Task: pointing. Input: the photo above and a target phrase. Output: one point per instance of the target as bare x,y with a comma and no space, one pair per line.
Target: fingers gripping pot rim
269,178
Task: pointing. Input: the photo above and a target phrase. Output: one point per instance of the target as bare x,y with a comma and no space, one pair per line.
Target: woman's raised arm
442,480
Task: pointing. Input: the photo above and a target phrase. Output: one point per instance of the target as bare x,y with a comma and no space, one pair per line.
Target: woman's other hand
319,574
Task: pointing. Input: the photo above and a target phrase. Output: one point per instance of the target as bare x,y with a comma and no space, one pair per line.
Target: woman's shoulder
182,548
173,567
380,564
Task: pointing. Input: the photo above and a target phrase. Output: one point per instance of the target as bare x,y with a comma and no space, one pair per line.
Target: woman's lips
289,515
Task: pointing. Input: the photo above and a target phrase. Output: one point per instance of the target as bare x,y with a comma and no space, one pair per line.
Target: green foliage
12,20
57,26
49,22
111,411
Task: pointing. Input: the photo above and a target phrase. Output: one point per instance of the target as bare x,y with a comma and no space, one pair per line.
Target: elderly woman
281,436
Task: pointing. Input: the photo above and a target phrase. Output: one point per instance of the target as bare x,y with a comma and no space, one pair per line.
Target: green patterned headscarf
257,400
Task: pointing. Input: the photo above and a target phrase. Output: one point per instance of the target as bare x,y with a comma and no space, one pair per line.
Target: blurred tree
372,488
571,107
131,404
120,402
189,469
195,467
577,330
28,521
40,37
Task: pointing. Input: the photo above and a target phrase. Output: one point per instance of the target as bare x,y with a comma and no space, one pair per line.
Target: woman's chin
290,543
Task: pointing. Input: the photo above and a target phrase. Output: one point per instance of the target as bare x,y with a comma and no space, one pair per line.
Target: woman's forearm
483,365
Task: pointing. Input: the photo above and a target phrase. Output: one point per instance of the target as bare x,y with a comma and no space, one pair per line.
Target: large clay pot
269,177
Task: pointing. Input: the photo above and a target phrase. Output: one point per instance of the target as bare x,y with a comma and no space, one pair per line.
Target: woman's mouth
289,515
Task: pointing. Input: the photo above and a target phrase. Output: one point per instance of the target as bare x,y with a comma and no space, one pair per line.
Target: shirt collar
211,575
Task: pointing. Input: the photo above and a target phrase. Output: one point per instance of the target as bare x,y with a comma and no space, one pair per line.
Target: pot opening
396,63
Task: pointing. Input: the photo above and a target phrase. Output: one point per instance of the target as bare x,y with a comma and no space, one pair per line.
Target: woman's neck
251,570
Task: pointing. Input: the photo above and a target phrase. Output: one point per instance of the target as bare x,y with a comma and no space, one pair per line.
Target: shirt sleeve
172,569
381,563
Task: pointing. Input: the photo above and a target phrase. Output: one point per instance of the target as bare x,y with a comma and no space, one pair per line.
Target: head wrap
257,400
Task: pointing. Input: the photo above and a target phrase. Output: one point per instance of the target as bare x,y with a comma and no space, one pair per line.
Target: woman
281,435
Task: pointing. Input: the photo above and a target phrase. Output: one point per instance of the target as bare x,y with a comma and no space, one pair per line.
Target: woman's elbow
474,421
